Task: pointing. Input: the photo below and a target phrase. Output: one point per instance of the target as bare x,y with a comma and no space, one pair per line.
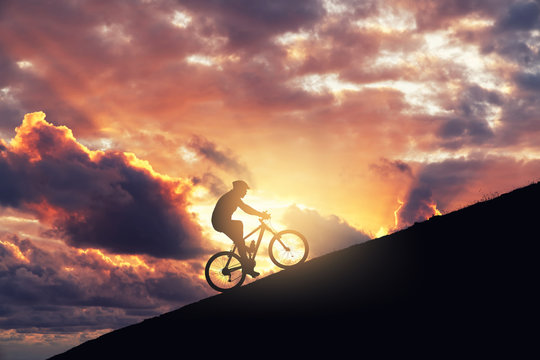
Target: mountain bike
225,271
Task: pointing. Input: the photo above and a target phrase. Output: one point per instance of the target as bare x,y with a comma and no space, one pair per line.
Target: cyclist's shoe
250,268
253,273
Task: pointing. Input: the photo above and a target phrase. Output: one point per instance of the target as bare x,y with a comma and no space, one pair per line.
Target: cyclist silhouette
234,229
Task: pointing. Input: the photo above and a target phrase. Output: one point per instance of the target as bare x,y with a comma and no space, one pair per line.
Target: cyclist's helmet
240,184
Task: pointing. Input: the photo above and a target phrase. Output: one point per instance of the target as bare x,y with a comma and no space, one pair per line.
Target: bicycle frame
236,269
262,228
251,255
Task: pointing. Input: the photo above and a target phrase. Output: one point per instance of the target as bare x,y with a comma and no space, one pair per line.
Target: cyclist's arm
249,210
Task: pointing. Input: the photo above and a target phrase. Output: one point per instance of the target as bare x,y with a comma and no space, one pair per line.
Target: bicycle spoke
225,271
288,249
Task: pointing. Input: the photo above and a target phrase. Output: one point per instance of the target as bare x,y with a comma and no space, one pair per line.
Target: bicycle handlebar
268,216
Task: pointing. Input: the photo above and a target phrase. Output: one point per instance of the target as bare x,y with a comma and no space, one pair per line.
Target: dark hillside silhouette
464,283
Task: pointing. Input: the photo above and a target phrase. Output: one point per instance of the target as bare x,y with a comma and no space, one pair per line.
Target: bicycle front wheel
224,271
288,248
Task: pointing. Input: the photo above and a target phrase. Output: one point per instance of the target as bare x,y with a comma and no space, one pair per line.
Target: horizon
123,122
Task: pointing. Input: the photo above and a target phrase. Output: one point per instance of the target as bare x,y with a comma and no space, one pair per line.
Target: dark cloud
518,47
214,184
449,177
521,124
520,16
138,215
69,291
446,183
389,168
324,233
262,83
528,81
248,23
172,287
431,15
469,125
418,206
351,54
224,159
458,132
98,200
512,37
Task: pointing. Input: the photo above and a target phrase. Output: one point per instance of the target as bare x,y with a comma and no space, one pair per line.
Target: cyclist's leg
235,230
237,235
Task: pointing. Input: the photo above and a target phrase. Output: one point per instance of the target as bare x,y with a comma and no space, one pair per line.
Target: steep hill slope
465,281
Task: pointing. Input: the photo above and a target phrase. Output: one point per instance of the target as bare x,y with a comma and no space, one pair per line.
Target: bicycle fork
278,238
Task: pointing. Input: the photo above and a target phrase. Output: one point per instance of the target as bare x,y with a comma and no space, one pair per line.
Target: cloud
62,289
214,184
528,81
109,200
248,23
386,168
174,288
221,158
418,206
432,15
455,183
436,185
361,97
520,16
323,233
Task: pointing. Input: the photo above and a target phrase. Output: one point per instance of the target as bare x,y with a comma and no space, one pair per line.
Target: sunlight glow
200,59
134,161
15,250
106,144
131,261
187,155
473,23
335,6
291,38
293,44
381,232
435,156
441,44
390,19
19,219
211,61
436,211
36,120
200,192
24,64
418,95
317,83
493,116
181,19
396,220
114,33
4,92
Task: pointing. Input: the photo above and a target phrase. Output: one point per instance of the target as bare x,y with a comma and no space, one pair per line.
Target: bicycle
224,270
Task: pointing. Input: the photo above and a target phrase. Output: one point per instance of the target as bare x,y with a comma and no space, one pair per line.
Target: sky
122,122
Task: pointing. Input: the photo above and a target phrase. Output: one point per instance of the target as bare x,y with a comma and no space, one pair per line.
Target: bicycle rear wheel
288,248
224,271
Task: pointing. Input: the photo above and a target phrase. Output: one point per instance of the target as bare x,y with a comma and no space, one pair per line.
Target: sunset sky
122,122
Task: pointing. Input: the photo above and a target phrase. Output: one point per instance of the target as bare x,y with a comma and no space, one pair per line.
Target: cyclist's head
241,186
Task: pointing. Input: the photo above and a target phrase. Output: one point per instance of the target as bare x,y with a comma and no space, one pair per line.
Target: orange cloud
103,199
